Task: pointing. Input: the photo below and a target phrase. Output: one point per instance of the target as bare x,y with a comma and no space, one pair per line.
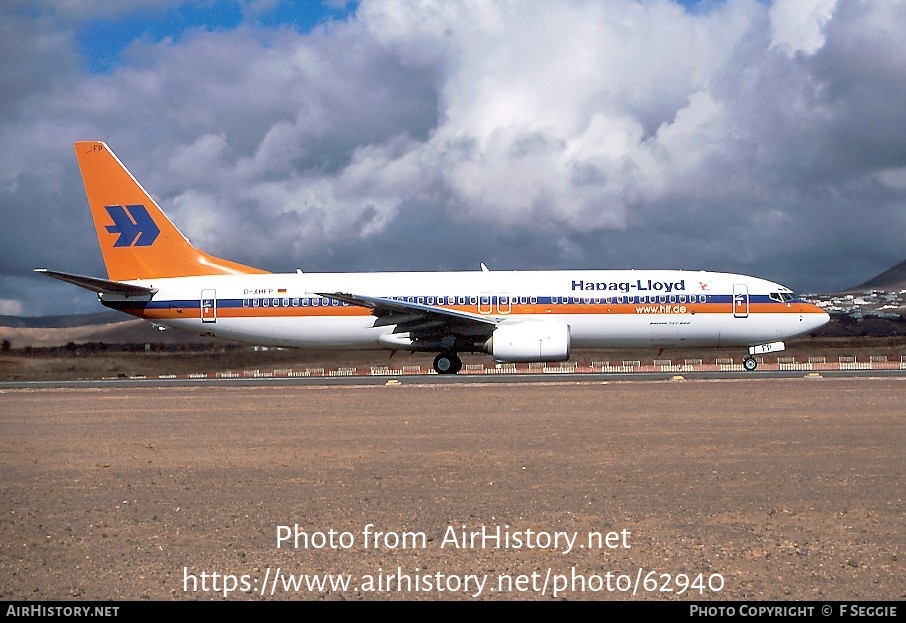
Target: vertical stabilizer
137,239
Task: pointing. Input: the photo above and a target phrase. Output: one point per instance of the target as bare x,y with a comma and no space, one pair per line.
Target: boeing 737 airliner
153,272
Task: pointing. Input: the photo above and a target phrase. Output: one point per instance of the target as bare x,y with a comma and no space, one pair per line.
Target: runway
282,378
723,489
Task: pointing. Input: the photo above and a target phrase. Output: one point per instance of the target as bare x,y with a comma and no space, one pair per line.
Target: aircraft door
208,306
740,300
504,305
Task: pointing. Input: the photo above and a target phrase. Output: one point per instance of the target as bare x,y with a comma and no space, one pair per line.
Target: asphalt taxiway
265,380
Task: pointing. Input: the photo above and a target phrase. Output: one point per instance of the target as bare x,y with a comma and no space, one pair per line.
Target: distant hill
115,329
62,322
891,280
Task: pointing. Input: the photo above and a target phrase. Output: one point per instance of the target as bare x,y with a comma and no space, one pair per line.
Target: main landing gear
447,363
749,363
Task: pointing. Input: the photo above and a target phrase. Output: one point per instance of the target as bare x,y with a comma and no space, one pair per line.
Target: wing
430,327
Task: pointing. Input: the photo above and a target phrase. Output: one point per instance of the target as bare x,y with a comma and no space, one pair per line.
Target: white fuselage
662,308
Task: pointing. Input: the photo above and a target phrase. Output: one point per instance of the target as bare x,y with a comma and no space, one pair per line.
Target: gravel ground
677,490
105,360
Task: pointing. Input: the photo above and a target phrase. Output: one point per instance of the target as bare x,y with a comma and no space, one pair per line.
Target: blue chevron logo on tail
133,224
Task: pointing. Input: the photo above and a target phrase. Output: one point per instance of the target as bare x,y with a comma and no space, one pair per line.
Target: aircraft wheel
749,363
447,363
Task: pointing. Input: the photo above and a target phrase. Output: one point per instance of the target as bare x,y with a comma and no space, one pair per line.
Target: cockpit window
781,297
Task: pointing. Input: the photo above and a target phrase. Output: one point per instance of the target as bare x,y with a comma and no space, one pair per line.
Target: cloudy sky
767,138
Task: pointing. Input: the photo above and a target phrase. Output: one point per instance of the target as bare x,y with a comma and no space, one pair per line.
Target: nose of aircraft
815,317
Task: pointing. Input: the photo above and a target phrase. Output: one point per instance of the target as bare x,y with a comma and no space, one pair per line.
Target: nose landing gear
749,362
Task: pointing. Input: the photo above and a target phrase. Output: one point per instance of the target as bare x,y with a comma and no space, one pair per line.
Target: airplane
155,273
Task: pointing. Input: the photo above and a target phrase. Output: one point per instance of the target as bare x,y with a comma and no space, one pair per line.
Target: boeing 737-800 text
153,272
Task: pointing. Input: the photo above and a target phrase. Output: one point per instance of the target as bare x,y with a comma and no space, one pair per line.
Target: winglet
137,239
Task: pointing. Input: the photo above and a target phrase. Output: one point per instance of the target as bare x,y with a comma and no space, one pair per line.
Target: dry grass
79,363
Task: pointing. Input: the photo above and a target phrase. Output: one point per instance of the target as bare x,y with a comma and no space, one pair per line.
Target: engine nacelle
529,340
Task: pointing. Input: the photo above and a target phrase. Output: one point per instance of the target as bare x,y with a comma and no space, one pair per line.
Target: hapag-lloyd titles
640,285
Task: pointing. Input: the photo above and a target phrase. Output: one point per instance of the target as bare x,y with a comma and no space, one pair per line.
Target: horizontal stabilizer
101,286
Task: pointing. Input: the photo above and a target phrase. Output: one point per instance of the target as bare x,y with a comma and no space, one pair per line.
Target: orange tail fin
137,239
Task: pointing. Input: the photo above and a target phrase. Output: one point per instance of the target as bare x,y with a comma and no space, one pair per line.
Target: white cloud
893,178
798,25
11,307
548,108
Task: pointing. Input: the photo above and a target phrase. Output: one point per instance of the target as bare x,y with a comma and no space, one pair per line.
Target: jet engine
529,340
